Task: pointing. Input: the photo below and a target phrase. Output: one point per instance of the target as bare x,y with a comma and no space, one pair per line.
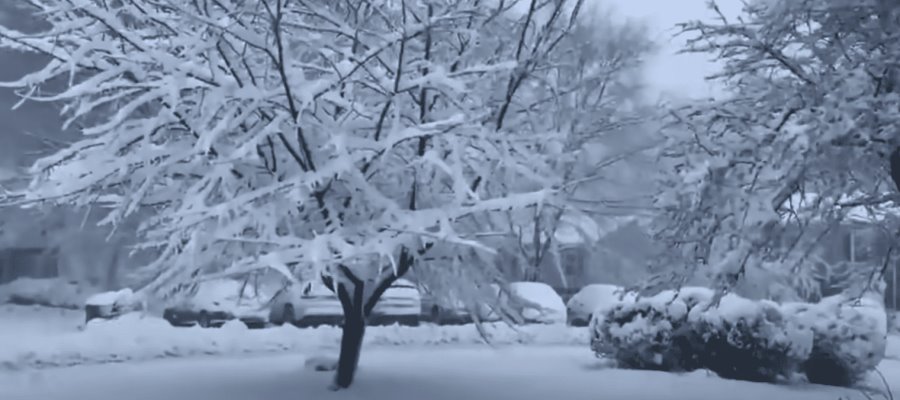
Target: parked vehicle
537,302
442,311
593,298
109,305
314,304
213,303
534,302
311,304
401,303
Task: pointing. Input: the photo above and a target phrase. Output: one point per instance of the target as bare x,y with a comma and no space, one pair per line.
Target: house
48,242
863,246
589,252
59,241
857,249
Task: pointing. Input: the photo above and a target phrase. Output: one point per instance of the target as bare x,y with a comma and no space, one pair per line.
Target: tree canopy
812,111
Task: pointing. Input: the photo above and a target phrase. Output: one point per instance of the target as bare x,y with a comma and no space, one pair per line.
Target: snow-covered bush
748,340
850,338
648,333
537,302
51,292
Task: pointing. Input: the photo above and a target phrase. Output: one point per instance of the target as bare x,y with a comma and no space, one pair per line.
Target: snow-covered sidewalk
139,337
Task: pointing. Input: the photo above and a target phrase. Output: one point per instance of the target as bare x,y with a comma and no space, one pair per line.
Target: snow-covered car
213,303
310,304
109,305
442,309
537,303
534,302
593,298
401,303
314,304
48,292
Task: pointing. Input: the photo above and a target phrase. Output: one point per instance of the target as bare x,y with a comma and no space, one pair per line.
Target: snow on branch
298,138
804,115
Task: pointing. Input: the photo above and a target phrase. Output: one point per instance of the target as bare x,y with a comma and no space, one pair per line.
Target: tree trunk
357,307
112,272
895,167
351,345
352,333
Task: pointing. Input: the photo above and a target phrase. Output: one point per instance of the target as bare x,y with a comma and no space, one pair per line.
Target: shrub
834,342
849,339
648,333
747,340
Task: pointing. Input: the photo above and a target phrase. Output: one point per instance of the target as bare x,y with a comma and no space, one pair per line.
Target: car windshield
316,289
403,284
227,290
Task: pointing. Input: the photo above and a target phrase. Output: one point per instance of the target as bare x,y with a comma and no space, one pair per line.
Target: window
18,263
860,245
573,263
866,246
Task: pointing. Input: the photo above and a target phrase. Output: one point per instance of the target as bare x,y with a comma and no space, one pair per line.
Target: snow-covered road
466,372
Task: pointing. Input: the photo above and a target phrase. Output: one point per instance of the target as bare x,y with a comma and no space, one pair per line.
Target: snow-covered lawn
138,337
433,362
34,336
413,373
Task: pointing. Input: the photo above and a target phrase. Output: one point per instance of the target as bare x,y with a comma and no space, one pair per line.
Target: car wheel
203,320
255,325
287,315
436,315
169,316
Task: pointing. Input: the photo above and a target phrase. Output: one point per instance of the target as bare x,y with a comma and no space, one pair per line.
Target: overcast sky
678,75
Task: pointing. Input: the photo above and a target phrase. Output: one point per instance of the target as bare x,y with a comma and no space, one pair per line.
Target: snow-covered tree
592,95
803,135
328,140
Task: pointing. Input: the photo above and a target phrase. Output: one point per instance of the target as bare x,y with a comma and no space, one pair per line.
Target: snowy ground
418,372
38,320
37,338
433,362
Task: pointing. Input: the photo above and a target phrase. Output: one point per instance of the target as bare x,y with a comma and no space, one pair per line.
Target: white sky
678,75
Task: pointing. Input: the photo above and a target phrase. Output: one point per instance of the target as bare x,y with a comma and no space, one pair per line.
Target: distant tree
343,141
593,96
803,135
